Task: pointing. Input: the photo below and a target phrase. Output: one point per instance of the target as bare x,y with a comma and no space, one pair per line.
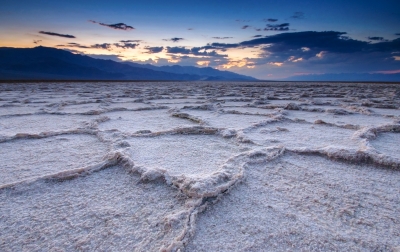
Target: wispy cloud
154,49
117,26
376,38
277,27
131,41
37,41
106,46
257,36
57,34
270,19
197,51
222,37
126,45
174,39
245,27
298,15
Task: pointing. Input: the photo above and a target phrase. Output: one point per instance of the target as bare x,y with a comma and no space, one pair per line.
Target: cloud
257,36
222,37
37,41
106,46
190,29
174,39
277,27
298,15
270,19
75,45
177,49
397,34
57,34
155,49
113,57
316,41
186,60
245,27
376,38
130,41
117,26
126,45
196,51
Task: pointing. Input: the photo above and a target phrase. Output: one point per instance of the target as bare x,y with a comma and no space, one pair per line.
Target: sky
264,39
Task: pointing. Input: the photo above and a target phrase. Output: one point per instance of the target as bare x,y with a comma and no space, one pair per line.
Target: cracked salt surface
191,155
35,124
388,144
229,121
186,166
341,120
295,135
134,121
110,210
304,203
18,110
30,158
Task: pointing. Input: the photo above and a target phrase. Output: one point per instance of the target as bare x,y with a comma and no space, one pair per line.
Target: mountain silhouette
43,63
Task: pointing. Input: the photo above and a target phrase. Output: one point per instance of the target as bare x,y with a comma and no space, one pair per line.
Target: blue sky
264,39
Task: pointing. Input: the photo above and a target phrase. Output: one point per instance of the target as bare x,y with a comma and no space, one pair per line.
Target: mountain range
46,63
354,77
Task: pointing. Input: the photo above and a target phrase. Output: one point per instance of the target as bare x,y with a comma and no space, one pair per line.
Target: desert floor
199,166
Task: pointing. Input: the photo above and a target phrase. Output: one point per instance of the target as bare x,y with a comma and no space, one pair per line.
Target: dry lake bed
199,166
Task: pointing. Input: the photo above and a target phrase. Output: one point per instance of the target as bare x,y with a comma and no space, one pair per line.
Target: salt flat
199,166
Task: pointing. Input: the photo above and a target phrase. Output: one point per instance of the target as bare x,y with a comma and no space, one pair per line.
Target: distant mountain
205,72
42,63
346,77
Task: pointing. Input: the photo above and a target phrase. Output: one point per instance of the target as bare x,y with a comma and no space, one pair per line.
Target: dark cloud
76,45
270,20
37,41
114,57
197,51
277,27
298,15
321,51
190,29
257,29
245,26
316,41
155,49
376,38
117,26
126,45
130,41
106,46
222,37
397,34
174,39
257,36
57,34
177,49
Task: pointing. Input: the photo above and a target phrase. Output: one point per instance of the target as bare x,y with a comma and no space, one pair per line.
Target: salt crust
227,166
